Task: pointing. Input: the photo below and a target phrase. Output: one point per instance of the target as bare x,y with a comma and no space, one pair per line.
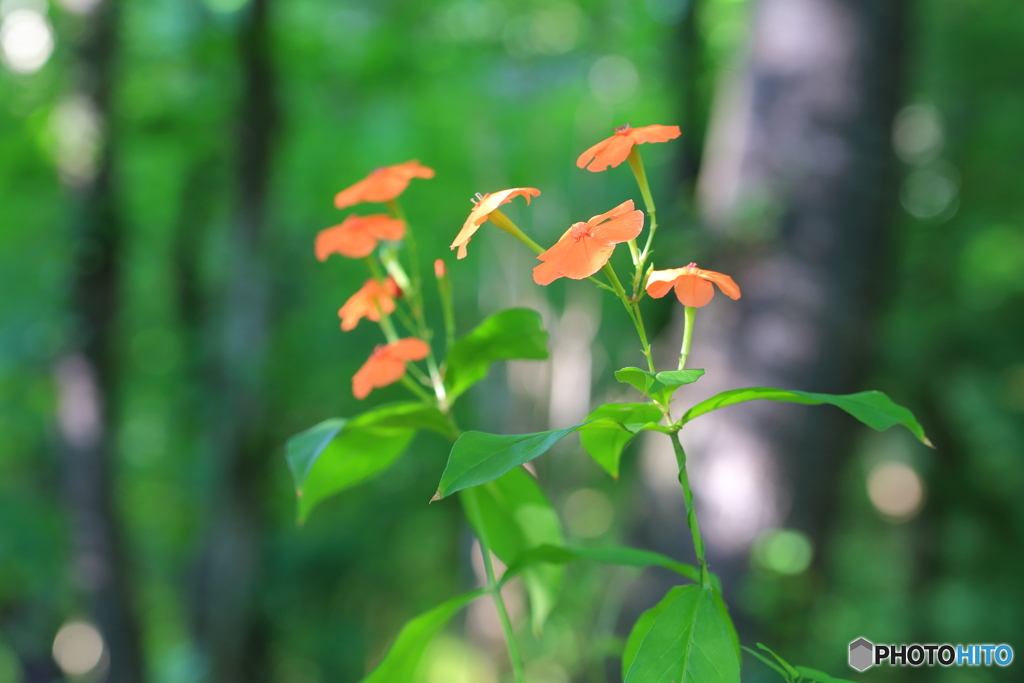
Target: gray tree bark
87,375
230,628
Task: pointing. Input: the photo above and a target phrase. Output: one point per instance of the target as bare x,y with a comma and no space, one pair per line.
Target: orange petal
383,184
620,210
612,154
620,229
384,227
409,348
378,371
483,209
724,282
693,290
661,282
592,152
581,259
654,133
345,239
546,273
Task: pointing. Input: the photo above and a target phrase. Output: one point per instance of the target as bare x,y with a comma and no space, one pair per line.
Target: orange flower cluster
580,252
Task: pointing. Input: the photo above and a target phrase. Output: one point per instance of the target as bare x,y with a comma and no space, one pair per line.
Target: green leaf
506,335
659,386
478,457
790,669
873,408
611,426
338,453
628,557
819,676
512,515
687,643
401,661
767,662
641,628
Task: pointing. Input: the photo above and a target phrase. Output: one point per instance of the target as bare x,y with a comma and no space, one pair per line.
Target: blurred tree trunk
799,183
230,627
87,375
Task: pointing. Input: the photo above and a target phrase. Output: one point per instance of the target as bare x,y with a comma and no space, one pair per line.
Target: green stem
415,388
634,312
689,313
691,513
506,224
444,291
636,164
494,588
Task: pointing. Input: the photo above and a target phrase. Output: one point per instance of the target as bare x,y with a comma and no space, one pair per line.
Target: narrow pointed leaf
790,669
873,408
510,334
611,427
478,457
688,642
819,676
627,557
769,663
513,516
401,661
338,453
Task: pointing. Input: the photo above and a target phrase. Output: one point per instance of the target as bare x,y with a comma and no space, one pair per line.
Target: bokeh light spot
895,490
917,134
26,41
588,513
77,648
613,79
785,551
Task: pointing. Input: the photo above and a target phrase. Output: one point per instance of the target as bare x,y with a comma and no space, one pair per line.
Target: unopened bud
439,269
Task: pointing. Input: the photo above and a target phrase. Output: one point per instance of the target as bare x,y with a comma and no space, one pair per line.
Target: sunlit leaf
687,642
338,454
873,408
478,457
641,628
401,661
611,426
513,515
627,557
506,335
659,386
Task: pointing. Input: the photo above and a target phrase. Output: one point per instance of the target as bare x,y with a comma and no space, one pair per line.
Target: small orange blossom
383,184
357,236
485,206
372,299
693,285
386,365
614,150
585,247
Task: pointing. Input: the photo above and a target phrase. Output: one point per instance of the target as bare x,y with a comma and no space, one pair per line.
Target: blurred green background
164,169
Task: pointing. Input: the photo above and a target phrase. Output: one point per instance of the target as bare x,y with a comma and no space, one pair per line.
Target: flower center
622,130
580,230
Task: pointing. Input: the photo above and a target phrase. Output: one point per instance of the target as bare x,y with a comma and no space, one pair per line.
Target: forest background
165,166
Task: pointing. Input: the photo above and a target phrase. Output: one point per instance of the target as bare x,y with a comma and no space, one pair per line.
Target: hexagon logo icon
862,653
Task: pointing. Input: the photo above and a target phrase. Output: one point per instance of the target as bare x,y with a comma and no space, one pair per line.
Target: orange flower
372,299
357,236
585,247
386,365
693,285
614,150
485,205
383,184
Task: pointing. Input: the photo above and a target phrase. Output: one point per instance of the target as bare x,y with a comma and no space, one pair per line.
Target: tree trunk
87,374
230,628
799,184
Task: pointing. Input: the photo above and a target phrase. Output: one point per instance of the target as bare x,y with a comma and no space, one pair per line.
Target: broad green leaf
767,662
611,426
873,408
642,627
659,386
513,515
723,609
688,642
401,661
819,676
478,457
790,669
627,557
338,454
506,335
